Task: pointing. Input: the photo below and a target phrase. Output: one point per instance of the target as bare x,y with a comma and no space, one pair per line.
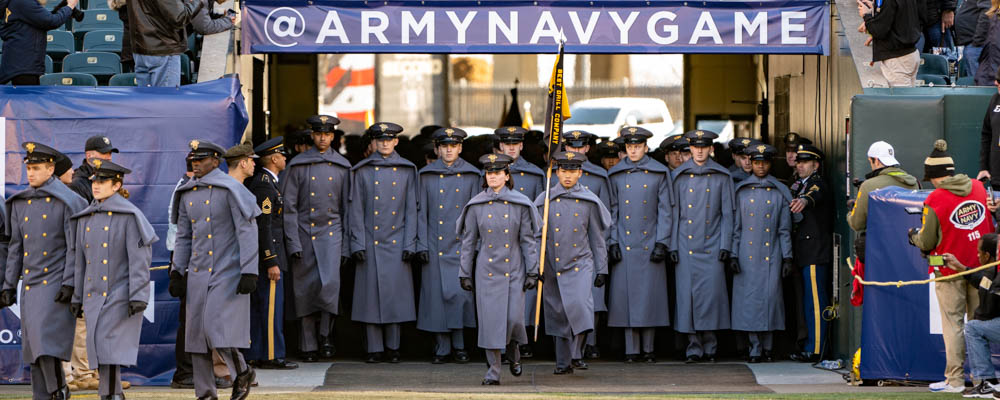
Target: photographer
24,38
158,37
885,172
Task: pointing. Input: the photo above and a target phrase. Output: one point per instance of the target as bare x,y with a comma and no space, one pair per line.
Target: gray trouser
444,342
567,349
494,360
382,336
701,343
111,379
759,342
321,322
578,342
46,377
636,336
204,375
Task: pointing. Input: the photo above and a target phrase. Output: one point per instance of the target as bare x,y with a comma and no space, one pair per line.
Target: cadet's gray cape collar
520,165
245,201
313,156
118,204
645,164
575,192
690,167
460,166
589,167
394,160
505,194
767,181
55,188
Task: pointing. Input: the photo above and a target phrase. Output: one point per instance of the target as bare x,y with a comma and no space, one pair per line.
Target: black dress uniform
267,339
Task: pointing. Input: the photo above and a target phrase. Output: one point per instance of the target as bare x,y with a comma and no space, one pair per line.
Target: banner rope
923,281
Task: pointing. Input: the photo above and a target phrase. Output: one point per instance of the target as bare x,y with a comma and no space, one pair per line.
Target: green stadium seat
108,40
95,5
931,78
962,65
94,20
68,79
123,80
59,44
99,64
48,64
932,64
966,81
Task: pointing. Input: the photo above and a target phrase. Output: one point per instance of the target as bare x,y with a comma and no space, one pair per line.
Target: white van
605,116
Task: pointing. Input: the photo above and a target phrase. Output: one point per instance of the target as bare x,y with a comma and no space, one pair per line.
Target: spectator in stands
24,38
939,15
158,38
121,6
989,154
989,59
895,30
206,22
971,28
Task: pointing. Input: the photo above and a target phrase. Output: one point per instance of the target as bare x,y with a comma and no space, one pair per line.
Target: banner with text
610,26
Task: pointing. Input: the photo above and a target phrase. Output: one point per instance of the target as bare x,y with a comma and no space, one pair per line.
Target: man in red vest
955,217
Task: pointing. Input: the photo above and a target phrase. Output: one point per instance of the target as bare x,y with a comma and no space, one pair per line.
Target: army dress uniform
444,308
383,222
500,261
703,237
41,255
576,255
215,255
738,146
316,190
639,240
112,277
763,246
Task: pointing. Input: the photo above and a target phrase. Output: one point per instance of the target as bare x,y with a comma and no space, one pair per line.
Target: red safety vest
963,221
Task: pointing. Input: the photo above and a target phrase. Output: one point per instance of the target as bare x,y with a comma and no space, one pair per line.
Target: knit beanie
939,163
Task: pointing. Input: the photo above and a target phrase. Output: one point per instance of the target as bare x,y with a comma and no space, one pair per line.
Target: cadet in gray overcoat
762,250
740,169
383,221
702,241
638,245
41,253
112,275
575,260
446,185
500,255
215,266
316,190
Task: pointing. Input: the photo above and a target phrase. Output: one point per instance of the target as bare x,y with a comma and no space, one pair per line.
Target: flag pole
545,231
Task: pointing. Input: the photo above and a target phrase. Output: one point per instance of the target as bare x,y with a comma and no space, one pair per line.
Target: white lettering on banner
284,21
461,25
623,27
546,27
787,27
705,28
378,30
584,34
670,30
426,23
509,30
759,26
332,27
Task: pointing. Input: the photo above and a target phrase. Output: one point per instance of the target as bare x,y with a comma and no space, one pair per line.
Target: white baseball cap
883,152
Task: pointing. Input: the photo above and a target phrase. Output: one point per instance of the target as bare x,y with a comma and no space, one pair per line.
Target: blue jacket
23,32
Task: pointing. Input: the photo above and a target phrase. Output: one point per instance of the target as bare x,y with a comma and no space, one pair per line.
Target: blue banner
151,127
517,26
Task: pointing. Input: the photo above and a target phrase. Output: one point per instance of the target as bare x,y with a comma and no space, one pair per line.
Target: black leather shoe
631,358
241,385
439,359
208,398
394,356
710,358
61,394
490,382
591,352
279,363
503,360
579,364
649,357
804,357
223,383
768,357
754,360
515,369
526,351
692,359
461,356
562,371
310,357
184,383
326,349
374,358
114,397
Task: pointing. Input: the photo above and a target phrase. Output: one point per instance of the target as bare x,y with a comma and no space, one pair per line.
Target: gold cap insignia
570,155
492,157
194,144
801,147
323,118
30,147
699,133
576,134
746,142
632,130
97,163
383,127
449,131
761,148
511,129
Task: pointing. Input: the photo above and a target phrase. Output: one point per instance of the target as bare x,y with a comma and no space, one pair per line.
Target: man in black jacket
939,15
96,147
895,29
989,141
971,29
985,325
23,31
157,29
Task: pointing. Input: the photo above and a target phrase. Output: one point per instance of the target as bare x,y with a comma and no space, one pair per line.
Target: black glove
733,265
600,280
614,254
407,256
724,255
8,297
911,233
358,256
344,260
177,285
787,268
297,255
136,307
675,257
859,248
423,257
659,253
248,283
466,283
76,309
530,282
65,294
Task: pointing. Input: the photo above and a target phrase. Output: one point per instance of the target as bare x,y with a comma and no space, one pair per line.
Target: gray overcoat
703,227
112,269
638,286
500,228
576,251
762,238
383,221
529,180
316,190
216,244
41,253
444,191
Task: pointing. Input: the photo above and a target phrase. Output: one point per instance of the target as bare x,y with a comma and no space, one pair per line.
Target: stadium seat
932,64
108,40
962,65
95,5
101,65
59,44
931,78
68,79
94,20
122,80
187,77
966,81
48,64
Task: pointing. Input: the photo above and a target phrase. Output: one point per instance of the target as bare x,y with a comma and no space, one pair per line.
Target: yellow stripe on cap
808,152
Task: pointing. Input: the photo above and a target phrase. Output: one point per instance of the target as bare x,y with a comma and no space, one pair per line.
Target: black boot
326,349
241,385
